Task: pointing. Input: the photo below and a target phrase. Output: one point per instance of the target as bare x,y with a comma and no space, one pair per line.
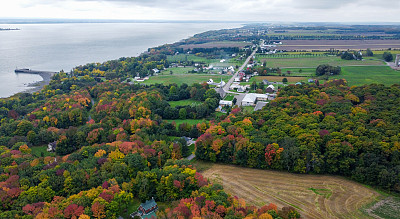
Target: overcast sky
225,10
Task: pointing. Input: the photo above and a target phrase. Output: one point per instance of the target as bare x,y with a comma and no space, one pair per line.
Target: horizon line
6,20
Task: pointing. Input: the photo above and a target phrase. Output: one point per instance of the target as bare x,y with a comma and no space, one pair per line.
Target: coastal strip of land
37,86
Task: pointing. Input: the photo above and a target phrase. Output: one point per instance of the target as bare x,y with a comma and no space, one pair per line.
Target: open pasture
360,75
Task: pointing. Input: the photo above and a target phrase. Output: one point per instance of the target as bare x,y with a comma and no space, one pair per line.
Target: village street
228,85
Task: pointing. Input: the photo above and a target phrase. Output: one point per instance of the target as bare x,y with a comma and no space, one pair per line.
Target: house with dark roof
260,105
221,92
147,209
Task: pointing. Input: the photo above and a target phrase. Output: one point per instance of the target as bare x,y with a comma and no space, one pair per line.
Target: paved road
191,157
228,85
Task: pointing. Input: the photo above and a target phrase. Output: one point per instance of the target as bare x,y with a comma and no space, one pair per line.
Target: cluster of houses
249,99
243,77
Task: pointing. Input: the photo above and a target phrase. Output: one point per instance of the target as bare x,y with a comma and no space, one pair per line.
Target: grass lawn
360,75
314,61
184,103
191,148
188,79
188,121
132,207
177,71
41,151
229,97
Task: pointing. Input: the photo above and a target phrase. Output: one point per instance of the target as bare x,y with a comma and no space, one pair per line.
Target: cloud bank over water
224,10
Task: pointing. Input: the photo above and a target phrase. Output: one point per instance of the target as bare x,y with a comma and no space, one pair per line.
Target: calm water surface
55,47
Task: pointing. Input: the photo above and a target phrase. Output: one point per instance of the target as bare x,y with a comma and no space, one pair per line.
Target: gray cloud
253,10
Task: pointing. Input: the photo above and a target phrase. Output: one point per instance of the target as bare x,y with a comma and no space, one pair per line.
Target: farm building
251,99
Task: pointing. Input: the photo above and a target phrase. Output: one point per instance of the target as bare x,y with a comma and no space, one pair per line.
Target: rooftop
260,105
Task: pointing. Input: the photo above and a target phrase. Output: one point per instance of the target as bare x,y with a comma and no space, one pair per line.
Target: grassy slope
39,150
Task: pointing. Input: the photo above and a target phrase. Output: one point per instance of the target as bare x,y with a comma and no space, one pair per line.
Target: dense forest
332,128
112,148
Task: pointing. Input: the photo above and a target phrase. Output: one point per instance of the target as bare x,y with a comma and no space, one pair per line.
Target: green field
188,79
189,57
184,103
188,121
177,71
360,75
314,61
388,208
41,151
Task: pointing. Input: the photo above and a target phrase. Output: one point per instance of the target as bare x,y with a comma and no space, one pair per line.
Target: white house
271,86
225,103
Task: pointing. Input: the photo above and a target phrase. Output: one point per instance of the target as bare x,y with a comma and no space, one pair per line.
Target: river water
55,47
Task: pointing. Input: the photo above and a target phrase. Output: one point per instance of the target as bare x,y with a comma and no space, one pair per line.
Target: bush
387,56
327,70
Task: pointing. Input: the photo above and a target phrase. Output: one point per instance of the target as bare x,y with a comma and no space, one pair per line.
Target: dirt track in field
314,196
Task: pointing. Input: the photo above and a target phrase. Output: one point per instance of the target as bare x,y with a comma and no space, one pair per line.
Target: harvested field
218,44
315,196
338,44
